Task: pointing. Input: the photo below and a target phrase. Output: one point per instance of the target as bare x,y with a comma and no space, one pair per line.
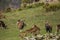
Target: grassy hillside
31,16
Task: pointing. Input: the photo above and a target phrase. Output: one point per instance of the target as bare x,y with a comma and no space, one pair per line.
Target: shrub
24,4
20,9
39,4
31,6
52,7
35,5
8,10
59,0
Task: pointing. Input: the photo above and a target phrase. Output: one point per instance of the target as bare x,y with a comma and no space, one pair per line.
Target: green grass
31,16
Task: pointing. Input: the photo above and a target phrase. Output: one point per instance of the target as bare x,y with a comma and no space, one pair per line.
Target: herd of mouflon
35,31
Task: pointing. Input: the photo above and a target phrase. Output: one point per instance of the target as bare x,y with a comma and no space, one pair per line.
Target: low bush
8,10
35,5
52,7
39,4
31,6
20,9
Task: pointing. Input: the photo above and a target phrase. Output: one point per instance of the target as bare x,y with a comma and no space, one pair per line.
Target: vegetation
31,16
35,15
52,7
